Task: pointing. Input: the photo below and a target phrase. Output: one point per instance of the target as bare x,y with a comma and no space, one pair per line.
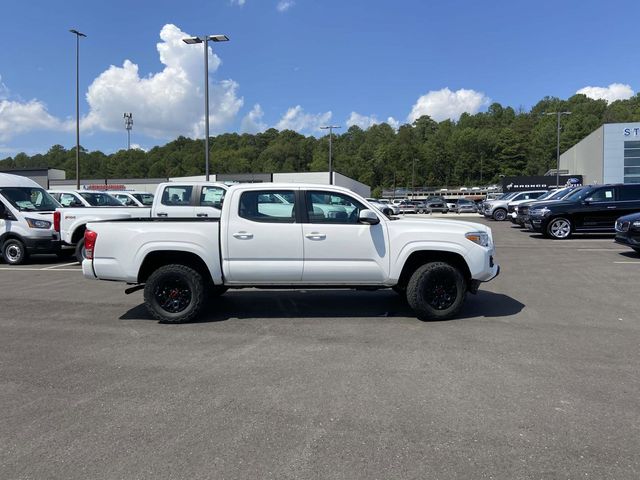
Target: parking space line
601,249
53,267
28,269
637,261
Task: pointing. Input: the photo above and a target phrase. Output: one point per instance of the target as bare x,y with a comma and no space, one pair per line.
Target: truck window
179,195
212,197
70,200
271,206
332,207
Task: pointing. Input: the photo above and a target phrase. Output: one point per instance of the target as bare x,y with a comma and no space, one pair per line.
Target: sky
295,64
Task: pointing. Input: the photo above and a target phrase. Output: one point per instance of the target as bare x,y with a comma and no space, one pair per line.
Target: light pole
205,40
78,35
559,114
330,128
413,178
128,124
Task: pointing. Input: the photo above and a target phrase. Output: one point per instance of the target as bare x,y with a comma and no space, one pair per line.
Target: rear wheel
174,294
559,228
14,252
436,291
500,214
81,252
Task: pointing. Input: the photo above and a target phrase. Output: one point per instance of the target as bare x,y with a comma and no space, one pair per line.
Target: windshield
29,199
547,195
579,194
144,198
98,199
508,196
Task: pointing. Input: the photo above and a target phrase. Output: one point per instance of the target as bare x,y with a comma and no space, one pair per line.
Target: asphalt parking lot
538,378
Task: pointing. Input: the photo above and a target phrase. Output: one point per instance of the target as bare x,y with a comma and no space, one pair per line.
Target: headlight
515,208
539,212
35,223
481,238
636,224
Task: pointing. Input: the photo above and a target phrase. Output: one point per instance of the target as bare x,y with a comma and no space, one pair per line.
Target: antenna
128,124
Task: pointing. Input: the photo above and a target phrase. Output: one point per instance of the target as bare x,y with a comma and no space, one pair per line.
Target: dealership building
611,154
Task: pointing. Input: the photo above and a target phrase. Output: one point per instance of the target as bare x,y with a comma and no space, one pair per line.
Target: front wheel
436,291
14,252
174,294
500,214
559,228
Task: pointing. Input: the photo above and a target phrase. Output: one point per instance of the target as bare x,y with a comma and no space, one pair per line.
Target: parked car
406,206
26,219
172,199
498,209
178,264
592,209
558,194
84,198
382,204
628,231
436,204
465,206
451,203
134,199
514,206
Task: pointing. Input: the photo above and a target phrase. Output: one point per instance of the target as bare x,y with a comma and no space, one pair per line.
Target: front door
337,248
264,240
599,212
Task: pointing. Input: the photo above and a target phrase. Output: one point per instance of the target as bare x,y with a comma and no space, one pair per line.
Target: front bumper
41,245
628,239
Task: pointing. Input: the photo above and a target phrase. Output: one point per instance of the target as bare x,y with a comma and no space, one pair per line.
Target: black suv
591,209
628,231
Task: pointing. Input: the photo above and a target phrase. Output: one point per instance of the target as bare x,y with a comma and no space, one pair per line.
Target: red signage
101,186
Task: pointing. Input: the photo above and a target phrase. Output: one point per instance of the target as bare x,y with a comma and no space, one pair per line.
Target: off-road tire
426,283
14,252
179,277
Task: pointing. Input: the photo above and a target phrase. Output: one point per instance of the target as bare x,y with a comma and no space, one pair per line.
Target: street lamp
330,128
559,114
205,40
78,35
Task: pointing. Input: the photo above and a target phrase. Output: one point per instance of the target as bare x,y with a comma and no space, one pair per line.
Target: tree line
474,150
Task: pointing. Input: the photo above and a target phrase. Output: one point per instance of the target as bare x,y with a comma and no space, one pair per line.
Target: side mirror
587,201
368,216
217,205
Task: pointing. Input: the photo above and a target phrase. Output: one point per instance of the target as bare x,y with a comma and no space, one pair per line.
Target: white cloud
166,103
4,91
366,121
284,5
252,122
615,91
17,118
296,119
238,2
443,104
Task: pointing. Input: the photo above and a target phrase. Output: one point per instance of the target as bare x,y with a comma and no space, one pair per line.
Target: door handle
612,207
316,236
243,235
202,214
162,214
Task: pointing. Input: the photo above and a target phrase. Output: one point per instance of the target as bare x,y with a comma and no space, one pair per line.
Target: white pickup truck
172,199
293,236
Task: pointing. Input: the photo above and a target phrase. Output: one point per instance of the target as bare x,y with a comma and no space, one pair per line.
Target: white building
611,154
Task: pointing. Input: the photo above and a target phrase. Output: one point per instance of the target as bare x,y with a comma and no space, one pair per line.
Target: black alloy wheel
500,214
175,293
436,291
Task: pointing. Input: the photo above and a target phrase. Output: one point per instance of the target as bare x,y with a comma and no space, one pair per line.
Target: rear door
263,239
209,201
176,201
338,249
628,199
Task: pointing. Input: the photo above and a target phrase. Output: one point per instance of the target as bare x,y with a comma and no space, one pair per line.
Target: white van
26,219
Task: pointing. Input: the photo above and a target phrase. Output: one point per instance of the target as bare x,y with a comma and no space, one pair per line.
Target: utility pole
559,114
330,128
78,35
128,124
413,178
